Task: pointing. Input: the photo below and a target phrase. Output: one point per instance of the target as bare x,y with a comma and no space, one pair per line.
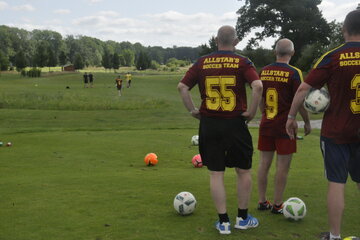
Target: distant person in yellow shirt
128,79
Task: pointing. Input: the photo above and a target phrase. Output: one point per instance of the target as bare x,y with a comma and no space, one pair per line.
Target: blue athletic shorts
341,160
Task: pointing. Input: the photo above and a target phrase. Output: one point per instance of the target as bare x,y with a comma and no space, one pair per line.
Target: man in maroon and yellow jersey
280,81
118,82
339,69
224,139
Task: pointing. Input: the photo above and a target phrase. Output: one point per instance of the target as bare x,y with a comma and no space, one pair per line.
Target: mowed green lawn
76,171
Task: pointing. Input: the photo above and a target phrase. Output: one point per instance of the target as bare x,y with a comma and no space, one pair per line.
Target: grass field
76,172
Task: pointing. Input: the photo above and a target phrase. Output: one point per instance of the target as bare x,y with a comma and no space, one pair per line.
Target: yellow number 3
355,104
219,96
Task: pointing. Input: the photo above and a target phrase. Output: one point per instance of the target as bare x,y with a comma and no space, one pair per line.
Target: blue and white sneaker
224,228
249,222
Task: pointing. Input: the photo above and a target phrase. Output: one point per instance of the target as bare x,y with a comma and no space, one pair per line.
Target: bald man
280,81
224,138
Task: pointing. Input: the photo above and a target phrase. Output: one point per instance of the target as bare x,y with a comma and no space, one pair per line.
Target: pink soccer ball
196,161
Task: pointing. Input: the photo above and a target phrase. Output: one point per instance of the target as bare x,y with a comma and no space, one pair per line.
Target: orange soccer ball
151,159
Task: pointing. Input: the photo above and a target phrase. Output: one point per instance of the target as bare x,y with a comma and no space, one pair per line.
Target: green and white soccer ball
317,100
184,203
195,140
294,209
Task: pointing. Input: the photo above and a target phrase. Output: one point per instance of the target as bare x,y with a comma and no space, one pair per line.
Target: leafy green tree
62,58
299,20
311,52
73,47
115,61
4,62
122,60
336,35
154,65
106,59
41,55
143,61
129,57
20,61
259,56
207,49
52,59
79,62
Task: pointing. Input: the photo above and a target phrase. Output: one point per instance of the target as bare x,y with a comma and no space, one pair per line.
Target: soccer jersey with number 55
221,77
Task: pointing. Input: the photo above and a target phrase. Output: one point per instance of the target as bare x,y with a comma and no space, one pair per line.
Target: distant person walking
224,138
86,80
280,81
118,82
128,77
91,79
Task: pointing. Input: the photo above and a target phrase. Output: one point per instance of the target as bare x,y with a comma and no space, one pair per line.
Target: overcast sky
152,23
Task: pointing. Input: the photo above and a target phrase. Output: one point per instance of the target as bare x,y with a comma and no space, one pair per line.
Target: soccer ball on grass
151,159
317,100
184,203
196,161
294,209
195,140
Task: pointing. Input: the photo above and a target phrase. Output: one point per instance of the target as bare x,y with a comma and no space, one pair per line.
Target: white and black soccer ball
195,140
317,100
294,208
184,203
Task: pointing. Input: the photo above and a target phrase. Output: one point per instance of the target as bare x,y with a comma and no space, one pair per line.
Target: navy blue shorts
341,160
225,143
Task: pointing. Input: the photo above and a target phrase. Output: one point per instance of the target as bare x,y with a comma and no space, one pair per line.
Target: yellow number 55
218,93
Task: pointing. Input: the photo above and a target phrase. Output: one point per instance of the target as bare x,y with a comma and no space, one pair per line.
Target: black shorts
225,143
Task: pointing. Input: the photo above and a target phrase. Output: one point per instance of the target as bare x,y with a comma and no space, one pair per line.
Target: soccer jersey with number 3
340,70
221,77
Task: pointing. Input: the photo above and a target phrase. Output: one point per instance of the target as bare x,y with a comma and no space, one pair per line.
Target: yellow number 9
271,103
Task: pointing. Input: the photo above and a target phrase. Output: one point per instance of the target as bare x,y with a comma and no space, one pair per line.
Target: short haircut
284,47
352,23
226,35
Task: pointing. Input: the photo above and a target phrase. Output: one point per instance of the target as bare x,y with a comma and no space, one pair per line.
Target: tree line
299,20
20,48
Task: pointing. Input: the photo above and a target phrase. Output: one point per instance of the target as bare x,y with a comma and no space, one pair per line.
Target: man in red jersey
224,139
340,140
280,81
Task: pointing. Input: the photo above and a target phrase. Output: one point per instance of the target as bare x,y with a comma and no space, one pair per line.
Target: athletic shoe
326,236
277,210
249,222
264,205
224,228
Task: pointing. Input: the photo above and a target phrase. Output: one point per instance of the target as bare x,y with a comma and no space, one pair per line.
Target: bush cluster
33,72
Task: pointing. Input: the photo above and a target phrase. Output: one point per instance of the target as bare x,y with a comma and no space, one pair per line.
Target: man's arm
262,105
187,100
256,97
291,124
305,116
